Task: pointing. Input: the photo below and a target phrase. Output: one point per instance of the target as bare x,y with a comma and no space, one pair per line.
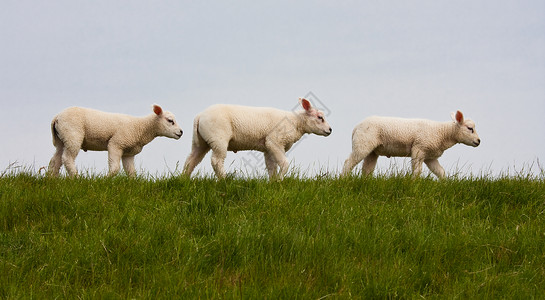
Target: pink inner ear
306,104
157,109
459,117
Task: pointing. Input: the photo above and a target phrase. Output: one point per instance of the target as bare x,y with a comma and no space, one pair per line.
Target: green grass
354,237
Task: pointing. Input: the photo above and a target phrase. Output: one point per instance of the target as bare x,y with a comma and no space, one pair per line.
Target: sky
354,59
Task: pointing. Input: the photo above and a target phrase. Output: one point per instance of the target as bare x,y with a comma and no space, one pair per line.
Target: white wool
235,128
422,140
123,136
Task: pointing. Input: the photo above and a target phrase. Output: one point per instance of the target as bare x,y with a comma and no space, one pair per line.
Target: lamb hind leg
357,155
369,163
195,157
69,160
349,164
218,159
56,162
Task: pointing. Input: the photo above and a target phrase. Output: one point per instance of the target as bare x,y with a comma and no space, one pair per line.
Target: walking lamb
123,136
422,140
235,128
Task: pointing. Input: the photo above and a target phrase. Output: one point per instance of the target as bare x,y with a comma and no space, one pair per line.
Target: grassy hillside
299,238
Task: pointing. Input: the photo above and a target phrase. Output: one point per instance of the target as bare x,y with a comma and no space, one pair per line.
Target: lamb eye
321,118
470,129
170,121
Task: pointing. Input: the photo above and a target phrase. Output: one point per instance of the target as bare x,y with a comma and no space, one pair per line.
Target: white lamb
235,128
422,140
123,136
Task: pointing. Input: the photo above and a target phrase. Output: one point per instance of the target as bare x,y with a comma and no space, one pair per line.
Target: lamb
235,128
422,140
123,136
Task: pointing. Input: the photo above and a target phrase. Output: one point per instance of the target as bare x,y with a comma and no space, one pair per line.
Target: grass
174,237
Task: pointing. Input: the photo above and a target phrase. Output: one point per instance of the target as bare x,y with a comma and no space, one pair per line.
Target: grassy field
315,238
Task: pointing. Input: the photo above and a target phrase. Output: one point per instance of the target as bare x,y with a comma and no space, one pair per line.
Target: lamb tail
54,132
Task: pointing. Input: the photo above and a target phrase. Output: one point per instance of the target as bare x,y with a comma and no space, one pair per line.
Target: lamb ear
305,104
457,117
157,109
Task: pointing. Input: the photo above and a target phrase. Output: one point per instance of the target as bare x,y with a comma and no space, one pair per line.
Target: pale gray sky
418,59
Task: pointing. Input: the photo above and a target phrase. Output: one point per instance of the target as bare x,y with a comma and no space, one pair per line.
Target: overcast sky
416,59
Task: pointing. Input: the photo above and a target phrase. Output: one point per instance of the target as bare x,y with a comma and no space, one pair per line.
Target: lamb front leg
279,156
114,158
272,166
416,162
435,167
128,165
